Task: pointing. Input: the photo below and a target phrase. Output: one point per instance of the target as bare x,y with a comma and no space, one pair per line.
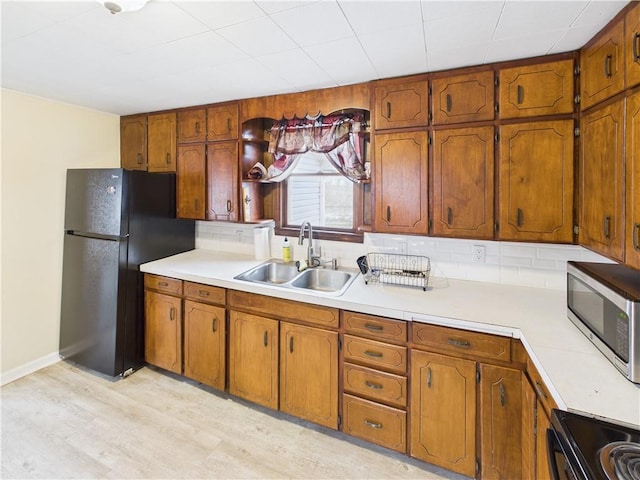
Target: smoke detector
118,6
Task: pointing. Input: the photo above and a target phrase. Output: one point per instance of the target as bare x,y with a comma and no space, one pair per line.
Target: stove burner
621,460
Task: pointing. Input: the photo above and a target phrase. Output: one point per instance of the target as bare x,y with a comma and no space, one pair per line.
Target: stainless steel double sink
286,275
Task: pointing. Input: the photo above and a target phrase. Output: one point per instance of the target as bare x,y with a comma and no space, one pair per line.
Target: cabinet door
163,331
400,172
309,373
602,181
133,142
602,67
543,89
632,250
192,125
190,180
463,98
222,122
400,105
222,181
162,142
204,343
443,411
463,171
501,406
632,46
253,358
542,454
536,181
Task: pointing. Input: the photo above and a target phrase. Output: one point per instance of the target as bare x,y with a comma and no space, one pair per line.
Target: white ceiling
181,53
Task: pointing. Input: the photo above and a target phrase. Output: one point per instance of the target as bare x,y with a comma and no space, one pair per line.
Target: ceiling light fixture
117,6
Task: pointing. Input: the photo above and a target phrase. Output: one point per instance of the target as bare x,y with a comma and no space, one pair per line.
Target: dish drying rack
396,269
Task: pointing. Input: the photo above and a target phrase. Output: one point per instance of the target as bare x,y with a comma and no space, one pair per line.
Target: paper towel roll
261,243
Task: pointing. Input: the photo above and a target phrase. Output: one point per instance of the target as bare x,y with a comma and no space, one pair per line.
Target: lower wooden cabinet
443,411
500,422
253,358
204,343
309,373
163,331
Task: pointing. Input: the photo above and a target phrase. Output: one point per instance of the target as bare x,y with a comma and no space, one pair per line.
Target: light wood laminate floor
66,422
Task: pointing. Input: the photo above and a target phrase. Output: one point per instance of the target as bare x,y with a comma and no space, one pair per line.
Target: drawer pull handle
540,391
389,110
606,227
197,127
228,125
372,424
214,325
369,353
139,157
388,213
520,94
459,343
228,205
375,386
375,328
636,236
203,293
449,102
429,377
265,338
163,284
168,158
503,395
449,215
172,314
519,217
607,65
291,344
636,47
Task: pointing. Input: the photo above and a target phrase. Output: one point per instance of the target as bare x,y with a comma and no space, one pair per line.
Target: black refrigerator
115,220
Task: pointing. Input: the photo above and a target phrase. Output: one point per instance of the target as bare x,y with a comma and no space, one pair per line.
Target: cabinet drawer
376,354
204,293
168,285
286,309
375,423
375,327
473,344
375,385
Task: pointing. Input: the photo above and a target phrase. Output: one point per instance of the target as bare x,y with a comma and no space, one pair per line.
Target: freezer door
93,303
96,201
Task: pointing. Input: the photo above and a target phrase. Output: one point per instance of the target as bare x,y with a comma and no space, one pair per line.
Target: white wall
40,140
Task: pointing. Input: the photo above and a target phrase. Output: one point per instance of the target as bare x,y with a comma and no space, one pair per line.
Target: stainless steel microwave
603,301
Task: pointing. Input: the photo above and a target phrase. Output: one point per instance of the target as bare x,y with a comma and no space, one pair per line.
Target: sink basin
270,272
286,275
323,280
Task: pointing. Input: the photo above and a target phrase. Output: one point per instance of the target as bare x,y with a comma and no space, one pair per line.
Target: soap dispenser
286,250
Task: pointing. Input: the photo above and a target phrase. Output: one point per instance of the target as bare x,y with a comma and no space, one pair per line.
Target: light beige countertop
579,377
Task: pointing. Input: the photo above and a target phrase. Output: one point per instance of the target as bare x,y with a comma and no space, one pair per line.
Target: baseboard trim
27,368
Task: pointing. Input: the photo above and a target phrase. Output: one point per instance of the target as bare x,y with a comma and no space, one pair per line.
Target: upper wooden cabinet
602,67
632,161
541,89
192,125
632,45
400,105
463,98
222,181
191,181
463,171
602,181
536,181
400,174
133,142
161,140
222,122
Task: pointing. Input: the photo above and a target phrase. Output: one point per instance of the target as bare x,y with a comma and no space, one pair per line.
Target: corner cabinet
400,176
632,161
602,181
463,191
534,90
602,67
536,181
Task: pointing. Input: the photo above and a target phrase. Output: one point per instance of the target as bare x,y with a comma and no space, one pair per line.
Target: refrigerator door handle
114,238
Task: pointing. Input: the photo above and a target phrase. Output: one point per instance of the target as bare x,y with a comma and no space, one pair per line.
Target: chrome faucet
313,260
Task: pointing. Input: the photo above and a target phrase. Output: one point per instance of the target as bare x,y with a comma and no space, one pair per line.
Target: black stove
585,448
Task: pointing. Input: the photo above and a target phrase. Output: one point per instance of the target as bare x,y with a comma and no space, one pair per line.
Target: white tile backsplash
514,263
